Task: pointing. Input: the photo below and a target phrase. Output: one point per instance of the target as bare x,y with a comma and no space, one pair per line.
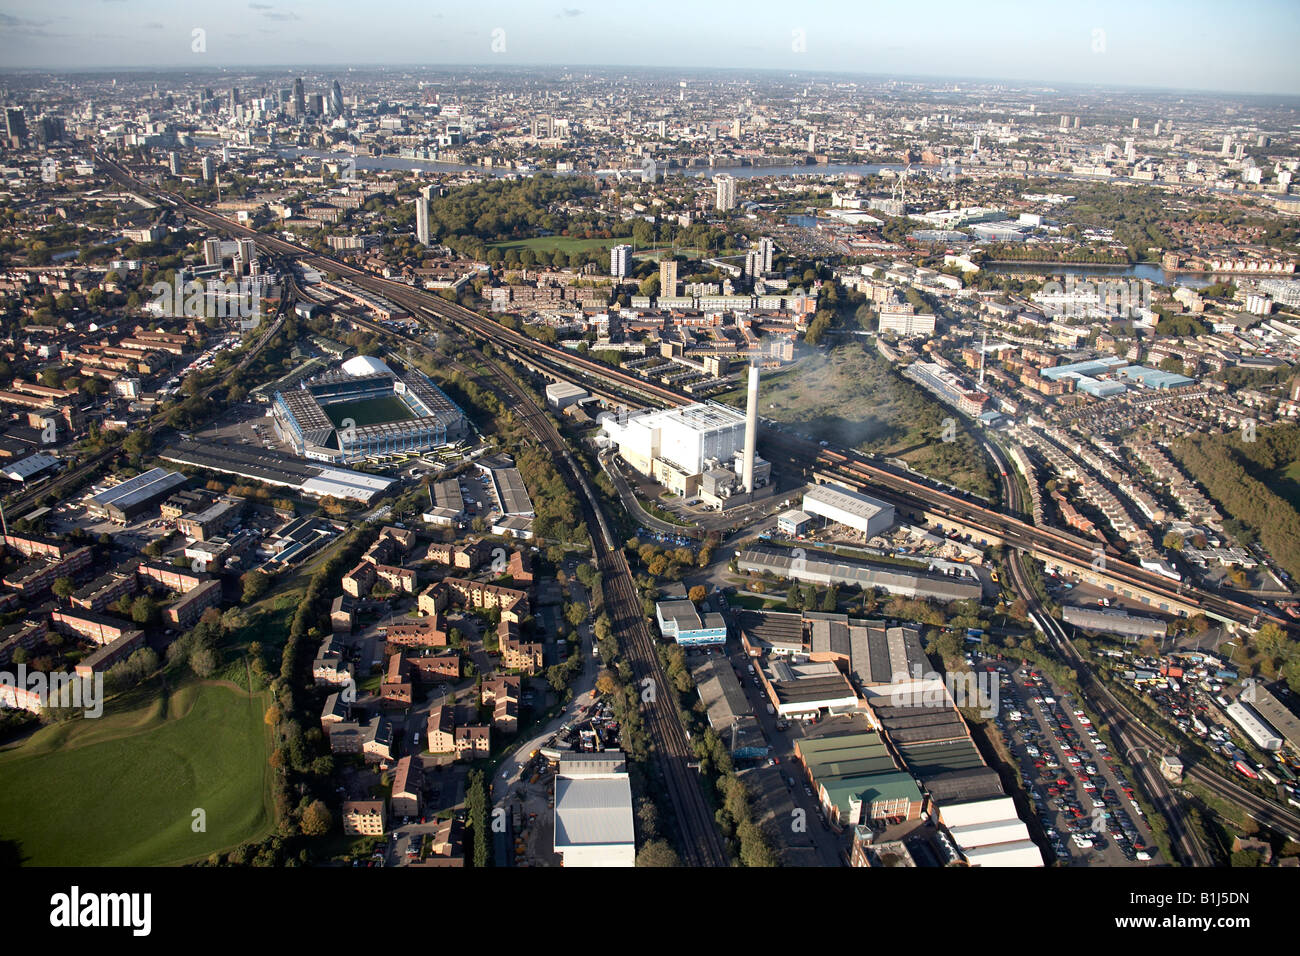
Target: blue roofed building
1153,377
680,621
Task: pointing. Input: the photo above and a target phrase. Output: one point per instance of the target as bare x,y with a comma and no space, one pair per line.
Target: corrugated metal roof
593,812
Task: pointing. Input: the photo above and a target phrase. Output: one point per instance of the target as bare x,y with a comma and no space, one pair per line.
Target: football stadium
366,410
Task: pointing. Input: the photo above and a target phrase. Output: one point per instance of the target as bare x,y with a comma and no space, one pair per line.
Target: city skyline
1110,45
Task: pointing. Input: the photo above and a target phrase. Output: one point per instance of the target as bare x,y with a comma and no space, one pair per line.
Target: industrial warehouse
366,410
832,569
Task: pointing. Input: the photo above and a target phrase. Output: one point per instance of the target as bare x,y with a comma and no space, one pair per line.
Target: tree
317,819
697,593
477,812
606,683
831,601
658,853
64,587
576,613
144,610
203,661
255,584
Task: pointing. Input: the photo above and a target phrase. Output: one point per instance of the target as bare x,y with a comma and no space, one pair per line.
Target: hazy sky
1238,45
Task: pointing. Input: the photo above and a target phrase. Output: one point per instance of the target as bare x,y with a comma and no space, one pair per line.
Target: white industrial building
852,509
593,811
1258,730
989,833
793,522
674,446
560,395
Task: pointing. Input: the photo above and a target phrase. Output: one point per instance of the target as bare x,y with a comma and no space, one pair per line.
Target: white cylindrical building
751,429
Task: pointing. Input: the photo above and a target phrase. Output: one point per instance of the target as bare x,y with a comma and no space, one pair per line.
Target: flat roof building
127,500
832,569
593,811
856,779
861,512
680,621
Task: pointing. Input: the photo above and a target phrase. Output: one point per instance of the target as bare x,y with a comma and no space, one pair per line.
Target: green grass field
120,790
552,243
369,411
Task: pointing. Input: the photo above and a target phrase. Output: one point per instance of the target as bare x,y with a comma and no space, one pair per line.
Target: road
622,599
583,696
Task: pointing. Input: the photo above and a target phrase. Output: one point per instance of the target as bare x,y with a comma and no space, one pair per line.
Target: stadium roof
366,365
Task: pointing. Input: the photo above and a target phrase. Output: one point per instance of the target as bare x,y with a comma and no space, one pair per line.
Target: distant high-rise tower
248,250
1076,122
975,144
298,105
1136,125
234,98
1227,144
336,99
766,250
212,251
422,221
812,142
174,163
726,198
15,125
1155,130
620,257
209,165
1065,122
667,276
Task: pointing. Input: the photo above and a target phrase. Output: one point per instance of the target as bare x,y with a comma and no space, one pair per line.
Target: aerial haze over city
676,437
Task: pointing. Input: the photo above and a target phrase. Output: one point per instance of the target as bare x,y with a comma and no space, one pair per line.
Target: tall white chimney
751,429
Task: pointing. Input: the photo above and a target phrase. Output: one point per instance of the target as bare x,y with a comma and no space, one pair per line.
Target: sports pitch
122,790
369,411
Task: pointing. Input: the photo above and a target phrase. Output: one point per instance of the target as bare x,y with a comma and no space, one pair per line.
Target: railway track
701,844
1018,533
1126,732
620,588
